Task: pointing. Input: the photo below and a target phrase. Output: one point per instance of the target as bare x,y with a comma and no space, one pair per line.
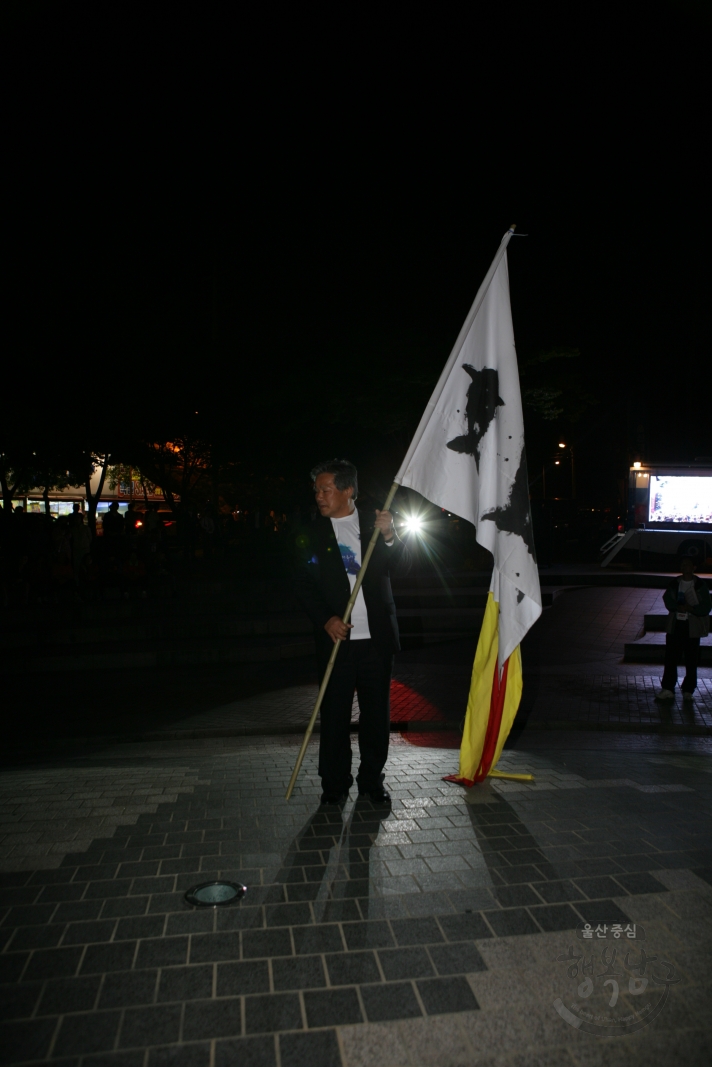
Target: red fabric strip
499,689
494,723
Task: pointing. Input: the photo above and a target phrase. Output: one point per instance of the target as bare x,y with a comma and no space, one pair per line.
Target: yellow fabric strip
512,697
479,700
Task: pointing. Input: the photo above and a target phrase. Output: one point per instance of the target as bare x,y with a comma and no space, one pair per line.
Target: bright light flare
413,524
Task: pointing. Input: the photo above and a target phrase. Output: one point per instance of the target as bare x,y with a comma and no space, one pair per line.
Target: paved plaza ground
440,931
428,934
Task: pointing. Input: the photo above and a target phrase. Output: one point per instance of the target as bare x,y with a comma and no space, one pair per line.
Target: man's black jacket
321,584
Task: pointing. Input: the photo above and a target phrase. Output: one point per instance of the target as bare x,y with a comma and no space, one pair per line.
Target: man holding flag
468,457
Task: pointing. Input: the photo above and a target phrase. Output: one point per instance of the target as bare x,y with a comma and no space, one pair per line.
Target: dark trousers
679,645
363,667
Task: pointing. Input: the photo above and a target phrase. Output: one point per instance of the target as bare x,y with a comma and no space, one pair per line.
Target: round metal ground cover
215,894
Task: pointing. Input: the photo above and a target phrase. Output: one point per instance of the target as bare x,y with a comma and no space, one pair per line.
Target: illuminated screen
680,499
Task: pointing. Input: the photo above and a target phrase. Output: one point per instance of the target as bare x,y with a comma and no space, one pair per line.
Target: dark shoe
337,796
379,795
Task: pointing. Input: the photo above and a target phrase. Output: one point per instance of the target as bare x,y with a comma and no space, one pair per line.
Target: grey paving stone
288,914
87,932
28,1040
179,866
104,889
462,958
12,966
464,927
186,983
472,899
444,995
318,1049
374,934
512,896
640,883
208,948
558,892
205,1019
304,972
125,989
61,892
78,911
53,963
30,914
113,957
256,943
117,907
132,1058
593,868
62,874
416,931
152,885
250,976
138,869
319,938
162,952
133,927
272,1013
352,968
595,888
98,872
164,902
594,911
18,1001
196,1055
555,917
251,1052
399,963
156,1025
240,918
523,873
88,1032
394,1000
511,921
36,937
332,1007
705,873
300,892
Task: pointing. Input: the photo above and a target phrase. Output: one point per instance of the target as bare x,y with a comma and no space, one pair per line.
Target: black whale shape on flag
515,516
483,399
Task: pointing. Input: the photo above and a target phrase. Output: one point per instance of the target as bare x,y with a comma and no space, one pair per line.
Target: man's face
333,503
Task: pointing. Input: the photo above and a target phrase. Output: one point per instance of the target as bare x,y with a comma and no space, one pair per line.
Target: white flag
468,455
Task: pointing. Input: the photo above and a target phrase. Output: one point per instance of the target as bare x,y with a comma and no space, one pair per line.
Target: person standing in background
688,601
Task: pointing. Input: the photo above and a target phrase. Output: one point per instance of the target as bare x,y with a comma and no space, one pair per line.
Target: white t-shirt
349,541
688,590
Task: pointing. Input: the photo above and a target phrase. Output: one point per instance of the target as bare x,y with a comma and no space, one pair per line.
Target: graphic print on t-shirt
348,538
349,557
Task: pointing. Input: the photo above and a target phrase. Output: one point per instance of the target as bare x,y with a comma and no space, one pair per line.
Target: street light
561,444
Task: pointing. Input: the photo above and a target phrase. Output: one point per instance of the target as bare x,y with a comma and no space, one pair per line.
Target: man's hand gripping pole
334,652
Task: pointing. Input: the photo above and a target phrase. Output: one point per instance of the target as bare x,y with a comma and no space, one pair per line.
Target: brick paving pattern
367,936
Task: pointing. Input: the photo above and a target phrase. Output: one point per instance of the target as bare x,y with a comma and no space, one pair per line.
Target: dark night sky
204,212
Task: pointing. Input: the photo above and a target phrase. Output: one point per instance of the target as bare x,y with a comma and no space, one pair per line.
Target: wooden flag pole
337,644
511,777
